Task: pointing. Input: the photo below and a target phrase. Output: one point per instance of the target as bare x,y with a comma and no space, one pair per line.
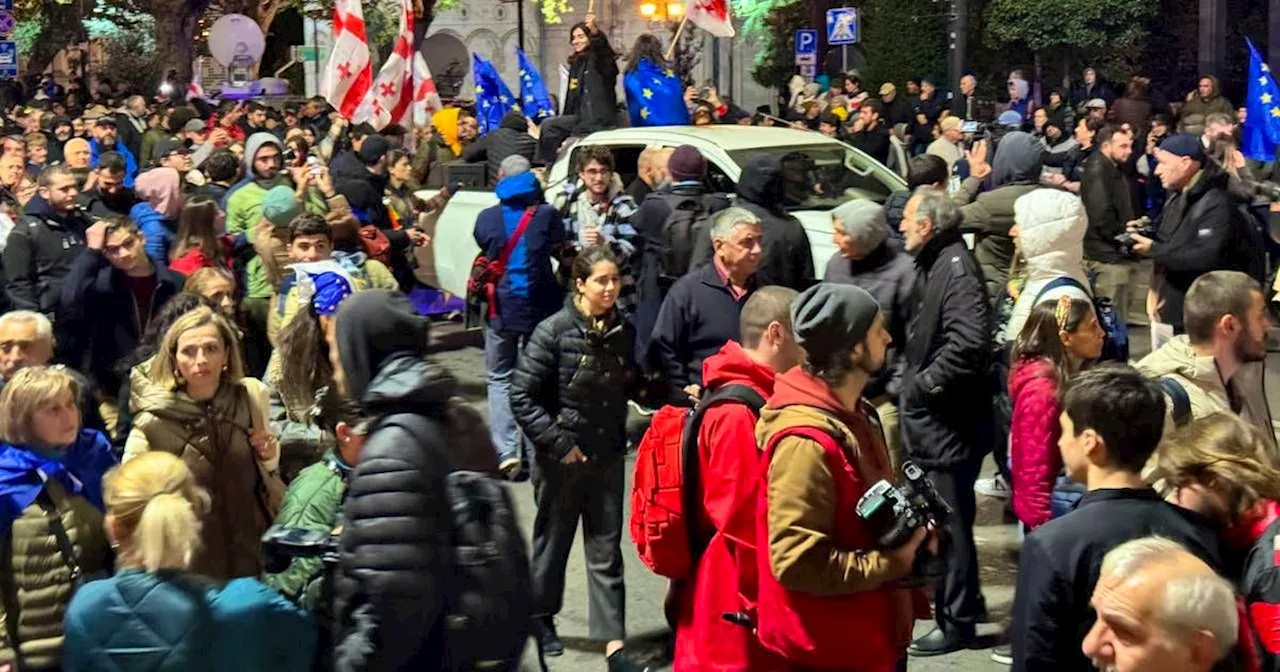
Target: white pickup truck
727,149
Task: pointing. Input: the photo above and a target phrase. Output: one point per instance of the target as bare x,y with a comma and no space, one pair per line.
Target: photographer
819,583
1112,420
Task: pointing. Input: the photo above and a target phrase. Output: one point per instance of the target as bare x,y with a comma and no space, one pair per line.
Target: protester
592,100
869,134
597,211
945,413
701,312
1071,162
198,405
218,287
201,238
1108,204
765,189
1049,234
157,214
511,138
652,172
728,480
104,194
1218,363
1112,420
1207,99
104,140
1015,172
154,509
948,145
526,294
1146,621
1091,87
819,580
51,470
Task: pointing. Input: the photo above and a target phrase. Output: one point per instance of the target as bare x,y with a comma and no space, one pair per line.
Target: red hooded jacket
725,580
1033,439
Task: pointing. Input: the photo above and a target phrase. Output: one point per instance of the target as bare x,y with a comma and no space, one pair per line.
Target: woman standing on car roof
591,103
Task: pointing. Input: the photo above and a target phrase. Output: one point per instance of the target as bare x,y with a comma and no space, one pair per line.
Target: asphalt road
996,536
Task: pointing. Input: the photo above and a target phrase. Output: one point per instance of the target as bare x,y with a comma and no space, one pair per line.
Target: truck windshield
821,177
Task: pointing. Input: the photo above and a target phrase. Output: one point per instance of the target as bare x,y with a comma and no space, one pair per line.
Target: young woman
591,103
154,508
217,285
138,362
197,404
401,203
1225,469
1059,337
50,511
569,395
202,237
156,216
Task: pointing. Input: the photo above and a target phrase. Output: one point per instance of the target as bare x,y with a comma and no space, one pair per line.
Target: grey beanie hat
864,221
829,317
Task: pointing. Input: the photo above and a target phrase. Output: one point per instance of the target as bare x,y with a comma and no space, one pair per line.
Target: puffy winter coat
170,621
1051,226
1033,439
888,275
945,404
1015,173
313,502
570,385
31,561
212,438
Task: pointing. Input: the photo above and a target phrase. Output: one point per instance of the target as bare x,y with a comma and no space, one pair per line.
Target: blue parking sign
8,59
806,41
842,25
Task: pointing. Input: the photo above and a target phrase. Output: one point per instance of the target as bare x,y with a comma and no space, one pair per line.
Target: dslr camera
1145,229
894,513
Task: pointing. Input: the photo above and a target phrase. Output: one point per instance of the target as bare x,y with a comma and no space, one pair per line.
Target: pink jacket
1033,439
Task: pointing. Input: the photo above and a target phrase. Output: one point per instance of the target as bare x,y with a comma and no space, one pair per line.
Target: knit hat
280,206
686,163
1184,144
374,148
830,317
193,126
864,220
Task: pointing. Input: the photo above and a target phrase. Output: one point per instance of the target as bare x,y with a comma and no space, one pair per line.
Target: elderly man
947,145
701,312
26,339
945,403
1160,608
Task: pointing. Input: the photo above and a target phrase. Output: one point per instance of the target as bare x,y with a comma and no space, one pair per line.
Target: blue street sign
806,41
842,26
7,23
8,58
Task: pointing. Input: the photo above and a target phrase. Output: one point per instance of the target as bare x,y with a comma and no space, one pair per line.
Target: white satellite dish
236,36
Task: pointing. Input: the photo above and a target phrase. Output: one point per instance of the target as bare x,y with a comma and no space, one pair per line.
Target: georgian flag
194,90
347,75
712,16
426,99
390,100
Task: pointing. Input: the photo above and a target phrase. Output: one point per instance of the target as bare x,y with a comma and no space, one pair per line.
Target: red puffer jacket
1033,439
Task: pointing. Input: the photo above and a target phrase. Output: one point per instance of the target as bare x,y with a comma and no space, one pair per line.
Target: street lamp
658,12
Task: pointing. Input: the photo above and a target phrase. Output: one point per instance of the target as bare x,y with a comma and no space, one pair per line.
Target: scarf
79,470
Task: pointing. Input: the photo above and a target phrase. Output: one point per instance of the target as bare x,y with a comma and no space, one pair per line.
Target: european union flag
655,96
1261,130
493,98
534,99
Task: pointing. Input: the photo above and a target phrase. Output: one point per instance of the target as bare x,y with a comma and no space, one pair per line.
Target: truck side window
717,181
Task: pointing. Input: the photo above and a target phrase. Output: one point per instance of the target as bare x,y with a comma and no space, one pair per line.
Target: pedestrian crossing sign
842,25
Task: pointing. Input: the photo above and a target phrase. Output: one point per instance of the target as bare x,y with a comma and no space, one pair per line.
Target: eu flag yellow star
479,89
1265,68
1266,98
644,113
523,73
502,99
1275,112
670,72
1262,81
573,83
516,107
647,93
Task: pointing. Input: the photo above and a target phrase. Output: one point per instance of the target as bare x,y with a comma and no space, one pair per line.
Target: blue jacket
176,621
528,292
158,229
130,163
78,469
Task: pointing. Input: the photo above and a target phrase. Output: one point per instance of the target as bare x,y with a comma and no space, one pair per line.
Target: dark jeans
591,491
958,600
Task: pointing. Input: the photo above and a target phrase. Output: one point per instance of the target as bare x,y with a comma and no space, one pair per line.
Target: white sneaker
995,487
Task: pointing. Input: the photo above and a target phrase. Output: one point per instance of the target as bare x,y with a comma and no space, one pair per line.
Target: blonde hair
29,390
156,507
164,371
204,276
1225,454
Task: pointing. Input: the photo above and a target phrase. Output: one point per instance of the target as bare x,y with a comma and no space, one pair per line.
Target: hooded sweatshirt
156,216
528,292
1201,107
1015,172
787,259
1051,227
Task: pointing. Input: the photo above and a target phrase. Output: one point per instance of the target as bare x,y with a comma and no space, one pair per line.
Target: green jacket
244,211
313,502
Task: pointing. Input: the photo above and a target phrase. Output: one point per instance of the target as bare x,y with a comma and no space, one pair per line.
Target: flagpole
671,51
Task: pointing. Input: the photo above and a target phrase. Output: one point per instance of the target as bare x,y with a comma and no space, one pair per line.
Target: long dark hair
197,229
1039,336
647,46
304,361
575,56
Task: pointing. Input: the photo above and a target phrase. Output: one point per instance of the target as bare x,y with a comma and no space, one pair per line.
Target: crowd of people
224,444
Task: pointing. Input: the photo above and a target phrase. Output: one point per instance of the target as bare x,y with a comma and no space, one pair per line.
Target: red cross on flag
390,101
348,74
712,16
426,99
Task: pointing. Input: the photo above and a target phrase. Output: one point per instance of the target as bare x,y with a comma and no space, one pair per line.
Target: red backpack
665,493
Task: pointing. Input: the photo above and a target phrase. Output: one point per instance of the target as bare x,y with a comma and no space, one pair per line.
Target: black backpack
688,225
488,614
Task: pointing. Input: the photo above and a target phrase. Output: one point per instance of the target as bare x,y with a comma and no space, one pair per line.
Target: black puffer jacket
945,401
570,385
787,259
394,570
511,139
